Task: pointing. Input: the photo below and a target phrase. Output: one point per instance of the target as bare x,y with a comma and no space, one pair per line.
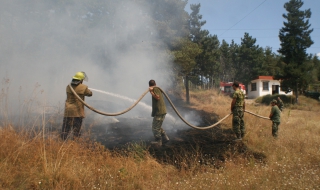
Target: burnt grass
187,147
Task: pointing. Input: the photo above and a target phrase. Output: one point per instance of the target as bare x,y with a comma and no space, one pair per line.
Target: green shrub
314,95
268,98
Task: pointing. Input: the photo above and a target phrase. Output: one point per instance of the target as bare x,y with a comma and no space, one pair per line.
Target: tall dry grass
42,161
292,160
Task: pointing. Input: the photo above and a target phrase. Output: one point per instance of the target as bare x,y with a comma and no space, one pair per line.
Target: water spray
144,105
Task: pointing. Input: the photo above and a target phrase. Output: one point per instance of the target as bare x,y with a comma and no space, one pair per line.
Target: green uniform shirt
238,94
275,111
280,103
158,106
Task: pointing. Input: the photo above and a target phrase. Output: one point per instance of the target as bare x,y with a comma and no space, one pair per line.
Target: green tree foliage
270,65
316,63
314,86
227,70
295,39
195,24
187,51
234,52
197,35
210,67
185,54
250,60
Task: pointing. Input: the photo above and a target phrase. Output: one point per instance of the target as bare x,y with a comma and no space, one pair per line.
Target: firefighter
275,117
237,109
158,113
280,104
74,109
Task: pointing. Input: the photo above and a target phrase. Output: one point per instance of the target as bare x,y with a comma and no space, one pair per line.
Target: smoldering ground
131,127
187,146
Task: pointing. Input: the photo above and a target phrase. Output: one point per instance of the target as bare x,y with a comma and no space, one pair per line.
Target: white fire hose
172,105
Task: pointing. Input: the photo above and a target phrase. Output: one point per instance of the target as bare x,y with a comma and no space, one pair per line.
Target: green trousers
275,127
157,126
238,126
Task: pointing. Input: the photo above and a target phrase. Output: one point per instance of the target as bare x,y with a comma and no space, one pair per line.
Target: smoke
43,44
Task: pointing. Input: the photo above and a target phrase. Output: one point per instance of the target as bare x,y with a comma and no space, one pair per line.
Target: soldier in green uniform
275,117
158,113
237,109
280,104
74,109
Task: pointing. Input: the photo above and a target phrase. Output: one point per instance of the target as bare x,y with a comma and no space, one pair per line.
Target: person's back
275,115
238,94
280,104
73,106
158,106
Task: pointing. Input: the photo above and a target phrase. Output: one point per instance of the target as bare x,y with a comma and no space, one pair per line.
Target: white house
264,85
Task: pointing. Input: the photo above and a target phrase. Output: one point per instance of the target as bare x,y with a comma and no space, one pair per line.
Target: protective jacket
73,106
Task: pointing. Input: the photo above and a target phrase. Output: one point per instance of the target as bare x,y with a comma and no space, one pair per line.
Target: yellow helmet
80,76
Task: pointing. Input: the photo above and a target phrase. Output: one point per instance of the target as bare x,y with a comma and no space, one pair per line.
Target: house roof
265,77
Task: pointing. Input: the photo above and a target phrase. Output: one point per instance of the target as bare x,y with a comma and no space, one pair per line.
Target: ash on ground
186,145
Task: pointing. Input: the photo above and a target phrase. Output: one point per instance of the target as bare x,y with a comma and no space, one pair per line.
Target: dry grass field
36,160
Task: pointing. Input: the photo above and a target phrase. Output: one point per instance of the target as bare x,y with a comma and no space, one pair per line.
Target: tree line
203,58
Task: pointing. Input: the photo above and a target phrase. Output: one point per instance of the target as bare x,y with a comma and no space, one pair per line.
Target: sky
262,19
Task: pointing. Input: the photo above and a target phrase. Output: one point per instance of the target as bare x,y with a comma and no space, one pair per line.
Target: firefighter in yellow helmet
74,109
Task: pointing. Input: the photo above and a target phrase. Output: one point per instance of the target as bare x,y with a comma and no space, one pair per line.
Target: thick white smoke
43,44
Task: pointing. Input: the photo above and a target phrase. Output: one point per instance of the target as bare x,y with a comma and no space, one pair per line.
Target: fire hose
172,105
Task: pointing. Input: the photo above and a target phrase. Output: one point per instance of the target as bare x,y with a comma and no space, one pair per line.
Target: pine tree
270,66
250,59
225,61
197,35
210,64
184,55
195,24
295,39
234,56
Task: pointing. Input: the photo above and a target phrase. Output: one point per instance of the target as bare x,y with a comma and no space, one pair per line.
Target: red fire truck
226,88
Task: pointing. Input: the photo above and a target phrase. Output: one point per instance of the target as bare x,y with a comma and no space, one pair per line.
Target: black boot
157,142
165,138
